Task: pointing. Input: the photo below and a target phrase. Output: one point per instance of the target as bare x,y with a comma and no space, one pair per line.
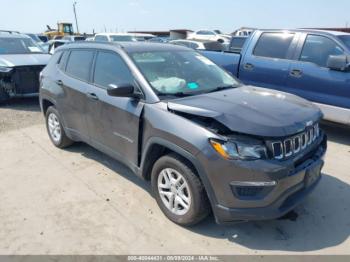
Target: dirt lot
79,201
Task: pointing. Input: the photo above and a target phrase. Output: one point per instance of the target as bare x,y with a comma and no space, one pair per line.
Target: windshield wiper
220,88
177,94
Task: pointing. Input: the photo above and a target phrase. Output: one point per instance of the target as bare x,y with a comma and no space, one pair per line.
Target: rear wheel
55,129
178,190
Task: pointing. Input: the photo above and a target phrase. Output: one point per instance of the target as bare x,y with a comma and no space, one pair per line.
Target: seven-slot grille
293,145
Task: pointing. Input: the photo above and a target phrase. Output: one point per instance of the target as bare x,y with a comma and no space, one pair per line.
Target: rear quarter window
273,45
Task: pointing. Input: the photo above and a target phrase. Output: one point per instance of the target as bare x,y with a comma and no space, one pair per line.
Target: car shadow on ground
337,133
321,221
22,104
110,163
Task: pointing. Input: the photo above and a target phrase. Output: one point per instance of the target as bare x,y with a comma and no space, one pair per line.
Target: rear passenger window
273,45
79,64
63,60
317,49
110,69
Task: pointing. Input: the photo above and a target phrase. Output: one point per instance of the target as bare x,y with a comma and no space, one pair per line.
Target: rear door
75,83
309,76
113,122
267,62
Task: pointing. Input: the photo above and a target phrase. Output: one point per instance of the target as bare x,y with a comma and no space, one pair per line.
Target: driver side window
110,69
317,50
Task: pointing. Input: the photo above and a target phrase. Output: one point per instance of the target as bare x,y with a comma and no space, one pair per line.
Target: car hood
252,110
24,59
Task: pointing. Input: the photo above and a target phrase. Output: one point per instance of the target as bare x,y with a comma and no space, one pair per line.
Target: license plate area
312,174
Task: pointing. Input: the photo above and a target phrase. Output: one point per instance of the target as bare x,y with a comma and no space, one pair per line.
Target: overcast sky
123,15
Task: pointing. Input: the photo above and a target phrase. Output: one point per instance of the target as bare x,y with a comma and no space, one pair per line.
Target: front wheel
55,129
178,191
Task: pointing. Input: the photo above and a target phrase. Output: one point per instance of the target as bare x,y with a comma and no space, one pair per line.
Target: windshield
182,73
19,46
346,40
122,38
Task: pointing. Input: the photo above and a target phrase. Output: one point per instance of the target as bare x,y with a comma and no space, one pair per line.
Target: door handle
296,73
92,96
59,82
248,66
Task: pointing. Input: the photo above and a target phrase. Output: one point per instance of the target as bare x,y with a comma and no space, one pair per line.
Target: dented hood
24,59
252,110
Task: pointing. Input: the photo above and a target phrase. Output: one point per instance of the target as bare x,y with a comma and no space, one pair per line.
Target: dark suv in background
21,61
172,116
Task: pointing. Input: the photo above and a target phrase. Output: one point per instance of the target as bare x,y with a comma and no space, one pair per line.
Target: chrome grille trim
294,144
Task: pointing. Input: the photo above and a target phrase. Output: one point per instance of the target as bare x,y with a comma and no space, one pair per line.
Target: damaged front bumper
263,189
21,81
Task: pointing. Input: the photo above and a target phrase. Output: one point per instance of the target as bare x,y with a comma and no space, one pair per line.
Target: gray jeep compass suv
206,142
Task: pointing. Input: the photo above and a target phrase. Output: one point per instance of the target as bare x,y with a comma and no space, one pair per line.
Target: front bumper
287,184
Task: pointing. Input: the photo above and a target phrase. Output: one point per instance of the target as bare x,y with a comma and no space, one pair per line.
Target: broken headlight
4,69
239,150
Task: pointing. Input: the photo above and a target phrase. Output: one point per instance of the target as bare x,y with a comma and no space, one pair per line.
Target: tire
58,137
3,96
196,198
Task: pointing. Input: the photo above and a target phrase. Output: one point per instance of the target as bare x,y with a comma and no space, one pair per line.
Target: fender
185,154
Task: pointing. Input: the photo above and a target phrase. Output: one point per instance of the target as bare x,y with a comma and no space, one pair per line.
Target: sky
125,15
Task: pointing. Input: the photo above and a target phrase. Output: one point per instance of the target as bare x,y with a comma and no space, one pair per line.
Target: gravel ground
20,113
80,201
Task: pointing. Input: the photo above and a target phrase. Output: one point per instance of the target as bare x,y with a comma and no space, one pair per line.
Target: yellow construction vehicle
62,30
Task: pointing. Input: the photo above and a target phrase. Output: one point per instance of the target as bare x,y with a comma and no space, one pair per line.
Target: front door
314,80
113,122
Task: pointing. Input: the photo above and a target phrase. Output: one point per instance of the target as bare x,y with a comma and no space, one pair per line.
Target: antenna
75,14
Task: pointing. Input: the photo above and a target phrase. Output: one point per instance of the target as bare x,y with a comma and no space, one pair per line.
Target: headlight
4,69
239,150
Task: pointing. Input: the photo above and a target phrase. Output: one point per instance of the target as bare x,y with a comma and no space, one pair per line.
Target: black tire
3,96
199,207
64,140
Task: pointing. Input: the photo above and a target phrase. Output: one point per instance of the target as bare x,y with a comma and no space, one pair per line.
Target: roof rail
9,32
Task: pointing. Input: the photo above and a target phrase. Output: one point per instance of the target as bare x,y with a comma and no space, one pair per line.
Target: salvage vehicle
21,61
210,35
172,116
313,64
199,44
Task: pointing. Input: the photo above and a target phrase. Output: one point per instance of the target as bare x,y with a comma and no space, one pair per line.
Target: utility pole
75,14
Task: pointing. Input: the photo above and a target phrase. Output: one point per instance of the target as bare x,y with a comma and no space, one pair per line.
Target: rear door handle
248,66
59,82
296,73
92,96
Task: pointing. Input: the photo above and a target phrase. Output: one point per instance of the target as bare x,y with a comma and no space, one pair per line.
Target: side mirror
122,90
339,63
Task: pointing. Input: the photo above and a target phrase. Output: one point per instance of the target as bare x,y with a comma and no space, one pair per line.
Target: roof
129,47
12,35
125,34
194,41
329,32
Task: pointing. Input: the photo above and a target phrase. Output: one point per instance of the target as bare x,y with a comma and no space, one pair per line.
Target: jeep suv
206,142
21,61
